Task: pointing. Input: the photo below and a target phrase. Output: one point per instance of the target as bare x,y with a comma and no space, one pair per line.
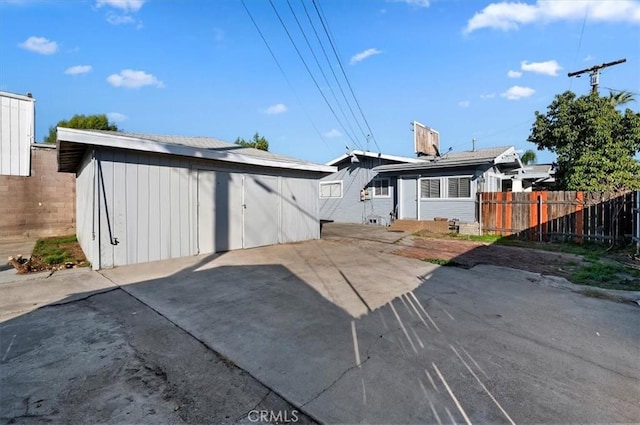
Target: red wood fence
559,216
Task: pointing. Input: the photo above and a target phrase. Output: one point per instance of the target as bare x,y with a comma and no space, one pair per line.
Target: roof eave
84,137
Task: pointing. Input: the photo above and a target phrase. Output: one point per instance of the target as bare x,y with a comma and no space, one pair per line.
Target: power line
335,77
311,74
304,35
255,24
324,25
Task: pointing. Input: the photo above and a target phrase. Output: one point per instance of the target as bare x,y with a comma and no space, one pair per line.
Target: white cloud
514,74
116,117
78,69
125,10
133,79
115,19
588,58
507,15
363,55
39,45
418,3
333,133
276,109
464,103
487,96
124,5
547,68
518,92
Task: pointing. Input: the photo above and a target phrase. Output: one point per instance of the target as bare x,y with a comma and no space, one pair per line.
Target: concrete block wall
39,205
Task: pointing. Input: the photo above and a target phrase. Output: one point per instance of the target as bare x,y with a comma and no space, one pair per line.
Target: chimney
473,144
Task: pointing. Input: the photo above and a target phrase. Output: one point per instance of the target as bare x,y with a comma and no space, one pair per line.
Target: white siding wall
85,208
145,208
17,132
148,203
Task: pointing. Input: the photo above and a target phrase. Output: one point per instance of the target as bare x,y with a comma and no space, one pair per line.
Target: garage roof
72,144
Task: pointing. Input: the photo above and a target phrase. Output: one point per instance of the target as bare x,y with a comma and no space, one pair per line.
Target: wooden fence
559,216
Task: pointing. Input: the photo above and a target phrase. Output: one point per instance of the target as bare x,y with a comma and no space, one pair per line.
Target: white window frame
324,183
388,186
460,177
439,179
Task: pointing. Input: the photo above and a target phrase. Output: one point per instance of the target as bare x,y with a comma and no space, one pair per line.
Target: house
354,193
17,133
145,197
446,185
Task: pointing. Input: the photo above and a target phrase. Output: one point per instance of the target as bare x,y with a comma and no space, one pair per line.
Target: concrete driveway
348,333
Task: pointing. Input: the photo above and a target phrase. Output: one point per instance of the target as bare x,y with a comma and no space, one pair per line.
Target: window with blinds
381,188
459,187
430,188
331,189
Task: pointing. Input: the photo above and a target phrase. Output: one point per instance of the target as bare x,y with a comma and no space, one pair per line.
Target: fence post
480,212
539,218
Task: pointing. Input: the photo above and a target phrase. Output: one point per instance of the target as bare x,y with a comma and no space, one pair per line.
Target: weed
442,262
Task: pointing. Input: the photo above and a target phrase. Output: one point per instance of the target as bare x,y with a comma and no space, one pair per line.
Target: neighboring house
17,133
529,177
446,186
354,193
143,198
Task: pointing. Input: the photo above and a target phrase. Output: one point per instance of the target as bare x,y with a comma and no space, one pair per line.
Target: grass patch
607,275
442,262
57,250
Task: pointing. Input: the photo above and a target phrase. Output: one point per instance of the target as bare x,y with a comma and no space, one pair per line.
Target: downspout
93,196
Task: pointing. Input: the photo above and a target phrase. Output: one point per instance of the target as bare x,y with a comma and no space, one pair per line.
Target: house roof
368,154
496,155
534,172
17,96
72,144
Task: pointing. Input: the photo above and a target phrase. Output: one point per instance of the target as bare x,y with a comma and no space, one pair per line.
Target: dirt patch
468,254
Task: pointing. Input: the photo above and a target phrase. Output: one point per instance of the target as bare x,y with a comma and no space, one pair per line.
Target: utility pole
594,71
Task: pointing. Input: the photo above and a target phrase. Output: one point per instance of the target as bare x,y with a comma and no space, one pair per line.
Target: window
459,187
331,189
381,188
430,188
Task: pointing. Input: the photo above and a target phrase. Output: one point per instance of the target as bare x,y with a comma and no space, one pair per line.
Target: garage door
261,213
236,211
219,211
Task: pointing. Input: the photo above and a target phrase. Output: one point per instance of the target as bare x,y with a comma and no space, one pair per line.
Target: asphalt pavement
337,329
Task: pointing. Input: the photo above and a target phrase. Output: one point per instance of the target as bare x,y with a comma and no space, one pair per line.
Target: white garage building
143,198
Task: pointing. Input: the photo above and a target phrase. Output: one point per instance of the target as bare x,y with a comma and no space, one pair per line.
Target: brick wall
43,204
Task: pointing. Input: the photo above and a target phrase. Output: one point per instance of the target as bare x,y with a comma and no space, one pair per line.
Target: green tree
595,143
621,97
528,157
257,142
83,122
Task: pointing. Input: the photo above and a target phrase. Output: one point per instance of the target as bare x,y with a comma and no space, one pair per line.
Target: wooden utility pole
594,71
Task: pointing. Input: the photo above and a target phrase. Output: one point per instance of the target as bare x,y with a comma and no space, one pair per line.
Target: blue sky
469,69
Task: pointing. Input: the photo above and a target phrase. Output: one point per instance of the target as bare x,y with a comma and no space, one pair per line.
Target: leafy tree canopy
83,122
257,142
595,143
528,157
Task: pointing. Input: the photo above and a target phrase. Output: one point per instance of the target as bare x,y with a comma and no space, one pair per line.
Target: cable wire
325,26
255,24
311,74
